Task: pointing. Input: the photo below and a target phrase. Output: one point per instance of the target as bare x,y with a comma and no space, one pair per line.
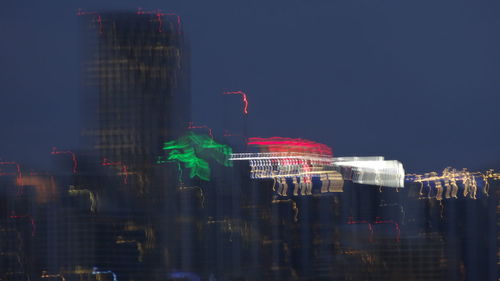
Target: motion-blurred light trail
123,168
159,14
191,126
450,182
193,150
97,272
17,173
73,157
243,97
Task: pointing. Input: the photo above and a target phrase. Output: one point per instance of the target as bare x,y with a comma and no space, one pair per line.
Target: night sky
416,81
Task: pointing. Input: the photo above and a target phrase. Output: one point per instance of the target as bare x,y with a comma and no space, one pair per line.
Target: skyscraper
135,98
135,90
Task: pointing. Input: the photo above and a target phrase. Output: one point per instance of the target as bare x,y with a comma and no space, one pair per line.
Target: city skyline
240,141
339,88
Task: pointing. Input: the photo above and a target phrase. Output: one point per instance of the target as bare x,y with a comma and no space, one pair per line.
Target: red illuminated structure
159,15
191,126
73,157
279,144
378,220
243,96
123,168
30,218
18,174
140,11
370,226
396,226
99,18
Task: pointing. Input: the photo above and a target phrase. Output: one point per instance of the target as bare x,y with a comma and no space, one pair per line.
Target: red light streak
191,126
18,173
243,96
99,19
33,224
279,144
106,162
73,157
159,16
378,221
300,168
370,227
396,226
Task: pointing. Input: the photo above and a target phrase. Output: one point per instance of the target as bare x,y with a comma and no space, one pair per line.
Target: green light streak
192,149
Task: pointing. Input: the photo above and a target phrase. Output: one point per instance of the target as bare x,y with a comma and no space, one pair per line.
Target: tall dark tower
136,96
136,88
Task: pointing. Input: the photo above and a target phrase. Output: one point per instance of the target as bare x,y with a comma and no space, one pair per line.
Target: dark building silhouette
135,97
136,88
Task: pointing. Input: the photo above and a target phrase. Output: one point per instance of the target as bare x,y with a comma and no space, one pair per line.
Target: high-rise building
136,88
135,97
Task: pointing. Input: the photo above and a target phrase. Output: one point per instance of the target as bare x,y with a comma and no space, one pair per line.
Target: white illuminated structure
302,167
373,171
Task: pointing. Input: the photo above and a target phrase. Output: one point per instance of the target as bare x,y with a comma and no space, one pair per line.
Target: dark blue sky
416,81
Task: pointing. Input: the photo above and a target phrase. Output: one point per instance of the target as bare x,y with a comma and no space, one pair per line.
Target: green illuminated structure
192,149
